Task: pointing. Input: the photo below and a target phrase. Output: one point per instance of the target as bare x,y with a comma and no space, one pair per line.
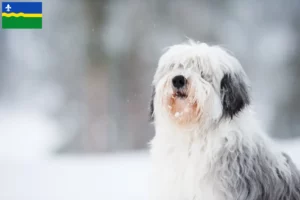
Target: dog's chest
182,173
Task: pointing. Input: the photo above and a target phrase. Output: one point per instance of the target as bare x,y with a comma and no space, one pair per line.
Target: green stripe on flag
22,22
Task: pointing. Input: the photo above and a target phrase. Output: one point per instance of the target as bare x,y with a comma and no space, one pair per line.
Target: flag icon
22,15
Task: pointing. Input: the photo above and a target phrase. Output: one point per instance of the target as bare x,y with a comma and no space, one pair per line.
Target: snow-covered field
29,172
106,177
292,148
114,177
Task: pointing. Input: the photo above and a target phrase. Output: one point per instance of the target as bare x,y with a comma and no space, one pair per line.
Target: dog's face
196,84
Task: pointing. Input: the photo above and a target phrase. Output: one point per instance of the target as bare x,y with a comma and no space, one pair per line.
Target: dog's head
196,83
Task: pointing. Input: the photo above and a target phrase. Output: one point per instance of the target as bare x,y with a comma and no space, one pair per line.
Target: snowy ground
107,177
292,148
76,178
28,172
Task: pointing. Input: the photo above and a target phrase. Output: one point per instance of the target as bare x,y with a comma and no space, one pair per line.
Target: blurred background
74,96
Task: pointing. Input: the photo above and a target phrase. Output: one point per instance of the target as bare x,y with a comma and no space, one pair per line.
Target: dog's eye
206,77
202,75
180,66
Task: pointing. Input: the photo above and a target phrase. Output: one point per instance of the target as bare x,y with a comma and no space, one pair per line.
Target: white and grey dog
208,144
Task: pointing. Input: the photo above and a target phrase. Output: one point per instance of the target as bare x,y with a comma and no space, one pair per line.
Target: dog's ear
152,105
234,94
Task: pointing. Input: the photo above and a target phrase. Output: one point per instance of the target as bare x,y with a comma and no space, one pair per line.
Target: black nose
179,81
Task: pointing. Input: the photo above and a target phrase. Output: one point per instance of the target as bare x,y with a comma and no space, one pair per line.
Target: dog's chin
182,108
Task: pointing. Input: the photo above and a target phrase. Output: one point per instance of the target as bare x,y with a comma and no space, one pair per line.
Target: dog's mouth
180,94
182,107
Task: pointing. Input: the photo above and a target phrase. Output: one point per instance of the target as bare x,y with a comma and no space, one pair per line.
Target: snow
292,148
29,171
86,177
120,176
177,114
27,134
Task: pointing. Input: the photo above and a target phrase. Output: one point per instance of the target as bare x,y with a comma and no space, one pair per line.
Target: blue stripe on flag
25,7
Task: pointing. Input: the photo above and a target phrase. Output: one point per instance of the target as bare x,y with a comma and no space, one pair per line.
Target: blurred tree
287,117
92,137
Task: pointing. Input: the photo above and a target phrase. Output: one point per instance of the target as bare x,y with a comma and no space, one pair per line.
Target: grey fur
245,175
151,115
234,94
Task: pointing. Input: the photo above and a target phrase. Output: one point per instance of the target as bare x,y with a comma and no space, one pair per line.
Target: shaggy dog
208,144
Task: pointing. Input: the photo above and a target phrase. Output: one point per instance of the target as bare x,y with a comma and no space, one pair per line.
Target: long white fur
198,161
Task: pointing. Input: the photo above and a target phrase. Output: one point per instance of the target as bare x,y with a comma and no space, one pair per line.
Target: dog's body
208,145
